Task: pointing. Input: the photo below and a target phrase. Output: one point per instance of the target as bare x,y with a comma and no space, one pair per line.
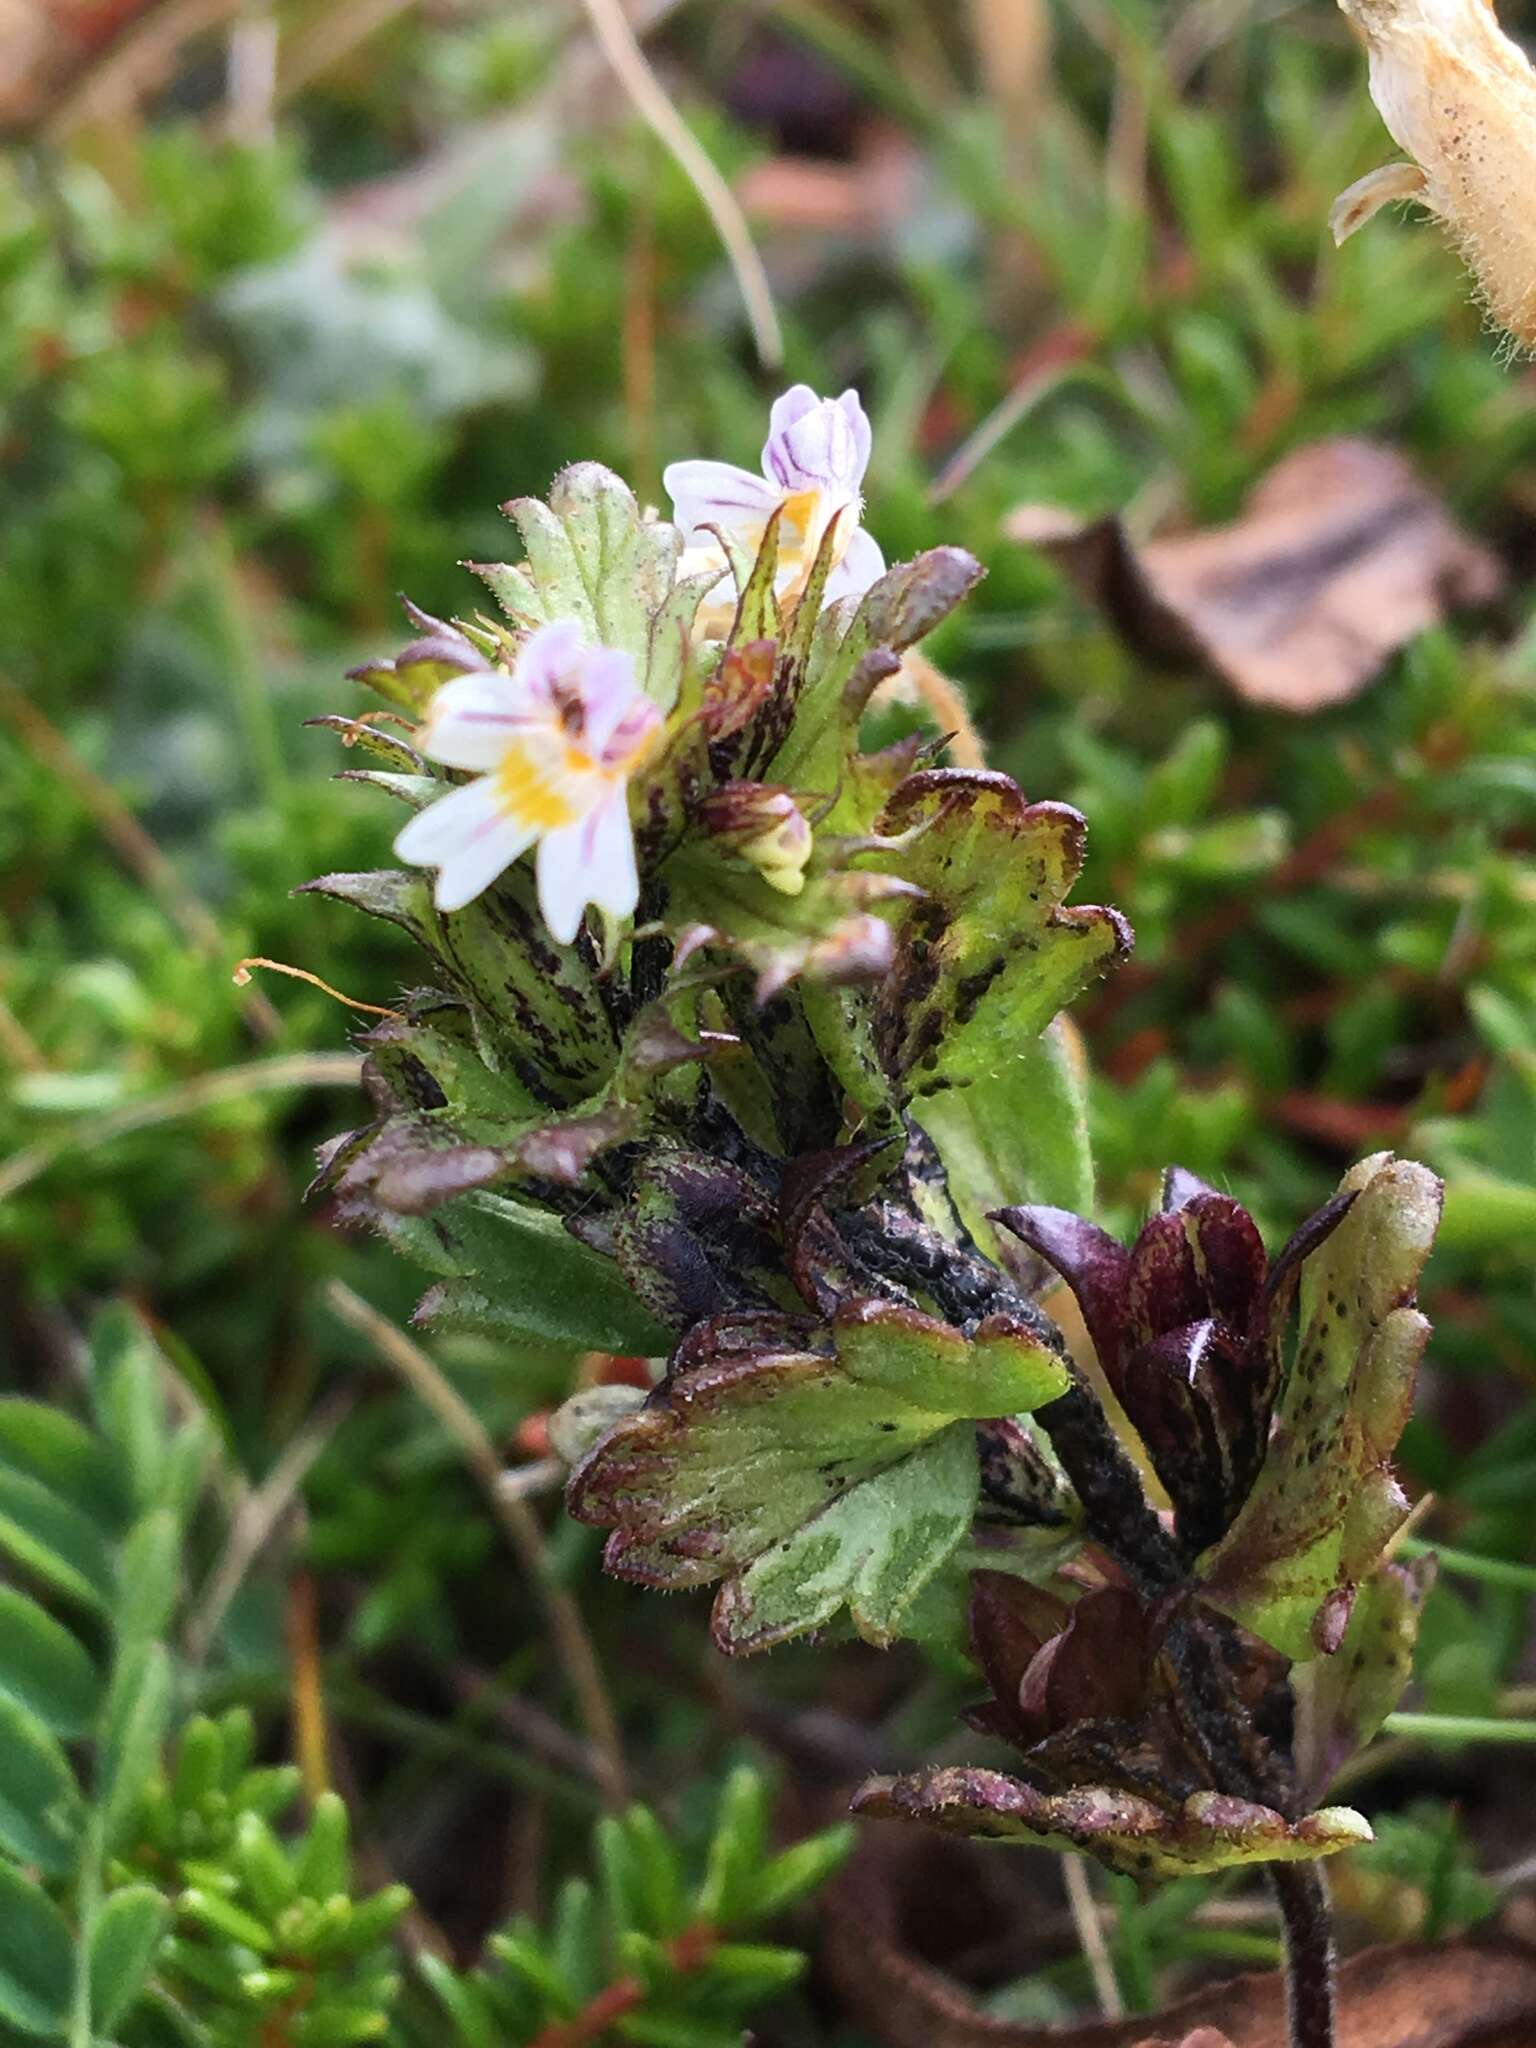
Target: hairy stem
1309,1957
1109,1487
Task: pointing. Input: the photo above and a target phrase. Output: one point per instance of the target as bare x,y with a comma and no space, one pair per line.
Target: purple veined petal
787,411
469,837
858,424
629,735
546,656
706,494
1093,1265
604,678
473,719
862,565
816,452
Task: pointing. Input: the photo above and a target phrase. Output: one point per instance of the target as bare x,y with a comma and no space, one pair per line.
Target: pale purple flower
813,473
553,745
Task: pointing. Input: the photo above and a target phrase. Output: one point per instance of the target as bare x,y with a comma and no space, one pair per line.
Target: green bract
809,1480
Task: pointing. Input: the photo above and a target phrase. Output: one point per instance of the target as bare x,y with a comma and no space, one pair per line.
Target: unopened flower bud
1460,98
765,826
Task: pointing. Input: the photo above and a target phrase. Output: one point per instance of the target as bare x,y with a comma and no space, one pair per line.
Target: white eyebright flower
554,742
813,472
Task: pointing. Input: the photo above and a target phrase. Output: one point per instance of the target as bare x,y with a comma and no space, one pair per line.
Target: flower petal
863,564
469,837
706,494
850,406
547,655
475,718
817,448
592,861
616,713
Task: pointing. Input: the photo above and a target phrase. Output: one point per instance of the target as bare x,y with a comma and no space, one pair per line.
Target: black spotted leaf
1325,1503
1342,1700
987,954
809,1467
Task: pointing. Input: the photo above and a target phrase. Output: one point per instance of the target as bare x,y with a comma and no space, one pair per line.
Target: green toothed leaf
593,556
1019,1133
810,1481
1325,1503
854,648
1342,1700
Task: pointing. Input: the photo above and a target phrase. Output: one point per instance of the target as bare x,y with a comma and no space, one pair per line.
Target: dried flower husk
1460,97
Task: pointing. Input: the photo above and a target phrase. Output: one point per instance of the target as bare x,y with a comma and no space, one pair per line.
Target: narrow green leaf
463,1999
323,1866
138,1709
129,1929
44,1668
149,1573
40,1806
37,1961
576,1945
128,1393
200,1756
737,1851
657,1875
52,1448
754,1970
54,1540
269,1876
798,1871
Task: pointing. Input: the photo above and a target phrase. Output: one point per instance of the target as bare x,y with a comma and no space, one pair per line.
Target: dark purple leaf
1093,1266
1163,1285
1231,1257
1188,1392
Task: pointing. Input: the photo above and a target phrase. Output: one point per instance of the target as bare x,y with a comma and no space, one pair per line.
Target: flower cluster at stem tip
554,741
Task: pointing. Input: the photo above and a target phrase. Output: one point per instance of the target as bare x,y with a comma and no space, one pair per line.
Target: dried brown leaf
1340,556
1478,1992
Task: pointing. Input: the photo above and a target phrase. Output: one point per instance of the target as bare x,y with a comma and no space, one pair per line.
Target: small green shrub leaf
52,1539
37,1962
44,1668
127,1932
40,1806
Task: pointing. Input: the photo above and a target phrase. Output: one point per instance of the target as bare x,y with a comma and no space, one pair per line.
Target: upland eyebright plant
797,1114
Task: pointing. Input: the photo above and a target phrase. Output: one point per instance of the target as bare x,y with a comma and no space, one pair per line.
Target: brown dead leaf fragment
1339,558
1476,1992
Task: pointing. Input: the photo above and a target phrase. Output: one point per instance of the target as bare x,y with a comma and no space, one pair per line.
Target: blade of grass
573,1645
622,48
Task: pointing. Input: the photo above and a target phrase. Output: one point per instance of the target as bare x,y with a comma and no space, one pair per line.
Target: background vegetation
292,304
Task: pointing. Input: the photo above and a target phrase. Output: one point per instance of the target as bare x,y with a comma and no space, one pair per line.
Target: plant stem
1309,1957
